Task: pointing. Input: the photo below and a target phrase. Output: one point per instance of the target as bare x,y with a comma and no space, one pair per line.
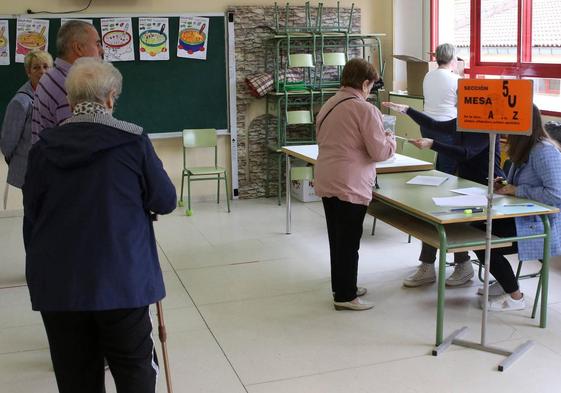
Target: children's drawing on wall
193,37
4,43
31,34
116,36
153,35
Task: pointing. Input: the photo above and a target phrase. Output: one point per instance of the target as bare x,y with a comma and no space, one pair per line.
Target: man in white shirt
440,88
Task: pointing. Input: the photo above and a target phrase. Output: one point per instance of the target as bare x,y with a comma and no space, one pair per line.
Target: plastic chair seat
204,170
202,138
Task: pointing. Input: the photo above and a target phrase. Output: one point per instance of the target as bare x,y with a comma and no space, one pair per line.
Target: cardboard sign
495,105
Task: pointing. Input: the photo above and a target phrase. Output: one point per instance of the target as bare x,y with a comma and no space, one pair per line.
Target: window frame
522,68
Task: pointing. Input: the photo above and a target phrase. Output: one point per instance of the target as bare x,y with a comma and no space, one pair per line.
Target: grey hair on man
92,80
73,31
445,54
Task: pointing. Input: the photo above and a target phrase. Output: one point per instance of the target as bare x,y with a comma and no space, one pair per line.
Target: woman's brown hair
519,146
356,71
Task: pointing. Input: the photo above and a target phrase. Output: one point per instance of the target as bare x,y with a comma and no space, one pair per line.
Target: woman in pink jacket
351,140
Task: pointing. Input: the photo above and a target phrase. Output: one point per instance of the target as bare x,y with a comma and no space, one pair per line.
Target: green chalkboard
161,96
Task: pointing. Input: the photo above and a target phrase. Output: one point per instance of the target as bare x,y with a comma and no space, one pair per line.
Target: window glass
546,31
455,30
499,30
547,94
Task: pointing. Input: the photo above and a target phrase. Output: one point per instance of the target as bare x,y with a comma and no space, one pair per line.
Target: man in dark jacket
92,266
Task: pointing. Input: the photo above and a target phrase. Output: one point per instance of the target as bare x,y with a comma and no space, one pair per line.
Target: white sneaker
354,305
463,272
495,289
423,276
505,303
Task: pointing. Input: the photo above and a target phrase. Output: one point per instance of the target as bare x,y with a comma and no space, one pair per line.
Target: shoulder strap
333,107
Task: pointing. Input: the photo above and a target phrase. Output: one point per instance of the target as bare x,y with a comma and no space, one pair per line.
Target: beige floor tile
458,371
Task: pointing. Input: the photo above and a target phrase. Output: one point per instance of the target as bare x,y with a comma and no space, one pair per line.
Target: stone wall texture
253,26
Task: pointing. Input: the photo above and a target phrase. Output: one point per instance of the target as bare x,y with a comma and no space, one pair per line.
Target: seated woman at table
535,174
351,139
471,151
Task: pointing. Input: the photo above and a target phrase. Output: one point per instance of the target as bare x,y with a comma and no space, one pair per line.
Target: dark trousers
500,267
344,229
428,255
80,340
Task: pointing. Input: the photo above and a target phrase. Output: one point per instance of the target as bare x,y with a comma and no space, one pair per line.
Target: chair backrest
304,60
299,117
203,137
411,150
302,173
334,59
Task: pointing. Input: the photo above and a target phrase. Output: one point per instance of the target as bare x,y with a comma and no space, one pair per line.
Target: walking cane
163,337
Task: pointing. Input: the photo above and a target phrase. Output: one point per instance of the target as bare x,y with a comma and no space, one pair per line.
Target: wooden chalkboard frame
202,85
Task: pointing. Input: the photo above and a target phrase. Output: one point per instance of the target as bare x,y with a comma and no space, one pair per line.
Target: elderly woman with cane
92,186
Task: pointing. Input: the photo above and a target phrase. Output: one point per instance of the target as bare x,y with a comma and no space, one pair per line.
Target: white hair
445,53
92,80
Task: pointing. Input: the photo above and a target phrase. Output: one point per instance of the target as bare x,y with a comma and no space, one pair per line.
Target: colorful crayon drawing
116,38
31,34
193,37
153,35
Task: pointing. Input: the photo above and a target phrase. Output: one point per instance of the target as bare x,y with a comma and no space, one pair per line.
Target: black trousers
500,267
344,229
428,255
80,340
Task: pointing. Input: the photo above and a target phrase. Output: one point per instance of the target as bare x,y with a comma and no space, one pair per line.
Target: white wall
411,30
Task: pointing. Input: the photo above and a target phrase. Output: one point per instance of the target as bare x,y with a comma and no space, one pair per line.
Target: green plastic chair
202,138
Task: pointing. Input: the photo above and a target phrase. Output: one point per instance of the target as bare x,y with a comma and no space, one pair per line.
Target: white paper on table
475,191
461,201
427,180
4,43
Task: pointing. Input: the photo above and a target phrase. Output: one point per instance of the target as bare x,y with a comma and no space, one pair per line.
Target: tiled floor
248,310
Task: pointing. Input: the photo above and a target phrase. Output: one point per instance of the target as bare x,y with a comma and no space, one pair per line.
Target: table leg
441,284
287,192
545,270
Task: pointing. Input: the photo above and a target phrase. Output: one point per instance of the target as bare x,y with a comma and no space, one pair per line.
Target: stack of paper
461,201
474,191
427,180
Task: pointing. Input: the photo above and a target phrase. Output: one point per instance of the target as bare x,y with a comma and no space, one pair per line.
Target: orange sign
495,105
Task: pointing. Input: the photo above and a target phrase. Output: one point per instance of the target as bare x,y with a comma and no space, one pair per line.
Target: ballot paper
427,180
475,191
461,201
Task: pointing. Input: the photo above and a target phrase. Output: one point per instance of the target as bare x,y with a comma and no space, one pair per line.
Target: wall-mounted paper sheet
193,37
116,36
31,34
153,36
4,43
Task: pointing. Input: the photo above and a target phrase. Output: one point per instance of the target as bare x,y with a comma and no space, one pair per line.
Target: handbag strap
333,107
